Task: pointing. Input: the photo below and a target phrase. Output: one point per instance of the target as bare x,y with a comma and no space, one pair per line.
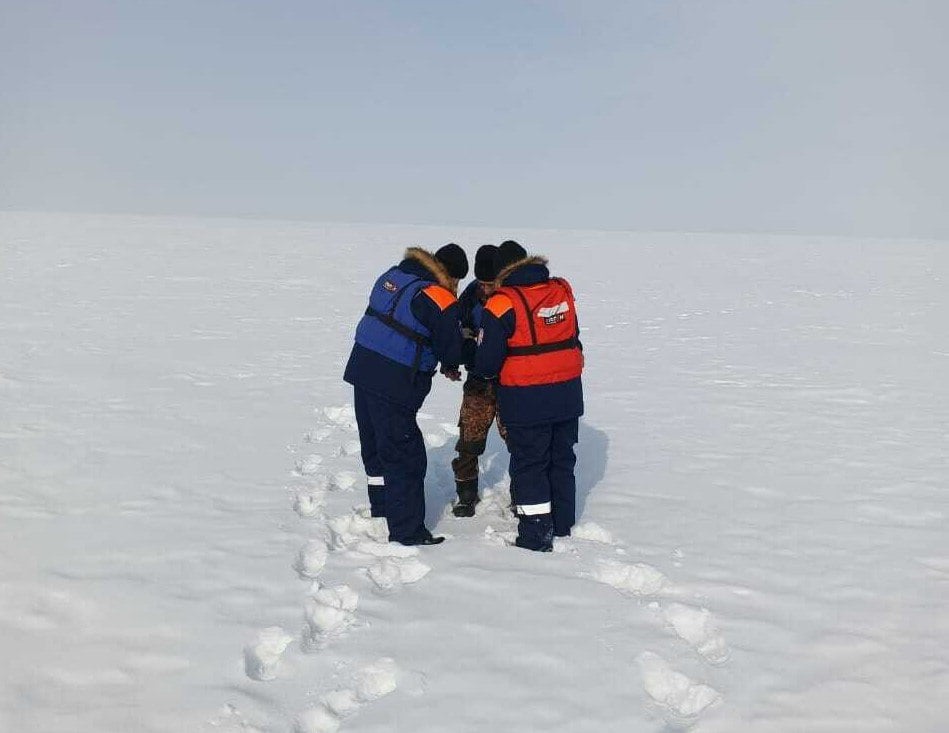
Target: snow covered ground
763,475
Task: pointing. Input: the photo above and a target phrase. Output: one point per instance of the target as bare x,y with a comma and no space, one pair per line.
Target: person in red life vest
529,341
410,325
478,402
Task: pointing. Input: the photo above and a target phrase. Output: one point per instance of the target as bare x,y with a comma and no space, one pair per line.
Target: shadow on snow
592,456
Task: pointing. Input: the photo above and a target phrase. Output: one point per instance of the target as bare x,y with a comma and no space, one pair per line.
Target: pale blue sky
809,116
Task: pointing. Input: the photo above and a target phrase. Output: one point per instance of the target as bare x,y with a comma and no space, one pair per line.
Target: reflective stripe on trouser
529,510
542,470
400,451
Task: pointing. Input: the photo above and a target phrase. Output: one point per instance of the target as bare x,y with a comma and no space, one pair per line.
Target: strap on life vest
389,320
570,343
535,348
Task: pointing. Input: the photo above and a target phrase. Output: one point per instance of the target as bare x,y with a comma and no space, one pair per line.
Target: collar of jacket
527,271
423,263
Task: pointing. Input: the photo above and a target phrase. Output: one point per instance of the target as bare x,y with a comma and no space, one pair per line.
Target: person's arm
466,301
497,326
437,309
466,312
469,347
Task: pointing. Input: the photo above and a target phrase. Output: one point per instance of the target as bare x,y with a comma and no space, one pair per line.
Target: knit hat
509,251
454,259
486,263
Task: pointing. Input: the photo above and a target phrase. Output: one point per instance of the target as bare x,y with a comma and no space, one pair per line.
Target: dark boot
422,537
524,544
467,499
535,533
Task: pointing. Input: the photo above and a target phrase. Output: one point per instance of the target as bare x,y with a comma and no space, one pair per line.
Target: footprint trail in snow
681,698
330,611
370,683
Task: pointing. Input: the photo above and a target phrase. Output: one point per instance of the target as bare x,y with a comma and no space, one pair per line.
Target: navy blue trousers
393,449
542,479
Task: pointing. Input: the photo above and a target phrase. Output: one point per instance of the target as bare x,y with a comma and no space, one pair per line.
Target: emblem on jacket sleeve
390,286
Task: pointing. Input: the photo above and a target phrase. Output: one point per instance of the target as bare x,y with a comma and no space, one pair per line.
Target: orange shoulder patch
440,296
498,305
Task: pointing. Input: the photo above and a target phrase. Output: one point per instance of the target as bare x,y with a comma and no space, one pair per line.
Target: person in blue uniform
410,325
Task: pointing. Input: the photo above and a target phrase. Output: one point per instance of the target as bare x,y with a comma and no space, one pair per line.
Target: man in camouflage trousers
478,403
478,411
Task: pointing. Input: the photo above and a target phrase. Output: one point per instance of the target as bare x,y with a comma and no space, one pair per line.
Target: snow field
765,430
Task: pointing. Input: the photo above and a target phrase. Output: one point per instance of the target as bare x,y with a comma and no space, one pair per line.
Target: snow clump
697,627
262,655
311,559
591,532
673,690
638,578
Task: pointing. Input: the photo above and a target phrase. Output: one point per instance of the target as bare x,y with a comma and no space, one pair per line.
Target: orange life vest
545,345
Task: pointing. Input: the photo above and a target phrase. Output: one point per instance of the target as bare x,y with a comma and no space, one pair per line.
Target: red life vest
545,345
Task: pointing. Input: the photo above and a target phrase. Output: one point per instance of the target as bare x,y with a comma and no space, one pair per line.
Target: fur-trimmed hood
427,260
507,270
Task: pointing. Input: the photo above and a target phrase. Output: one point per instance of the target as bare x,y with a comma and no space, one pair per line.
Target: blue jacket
389,327
544,403
384,360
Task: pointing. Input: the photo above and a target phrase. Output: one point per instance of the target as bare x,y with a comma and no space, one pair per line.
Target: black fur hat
509,251
454,259
485,268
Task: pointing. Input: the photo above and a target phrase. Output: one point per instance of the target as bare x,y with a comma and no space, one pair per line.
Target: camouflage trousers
478,411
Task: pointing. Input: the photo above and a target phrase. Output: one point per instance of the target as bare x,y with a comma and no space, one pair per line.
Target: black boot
467,499
422,537
527,545
535,533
